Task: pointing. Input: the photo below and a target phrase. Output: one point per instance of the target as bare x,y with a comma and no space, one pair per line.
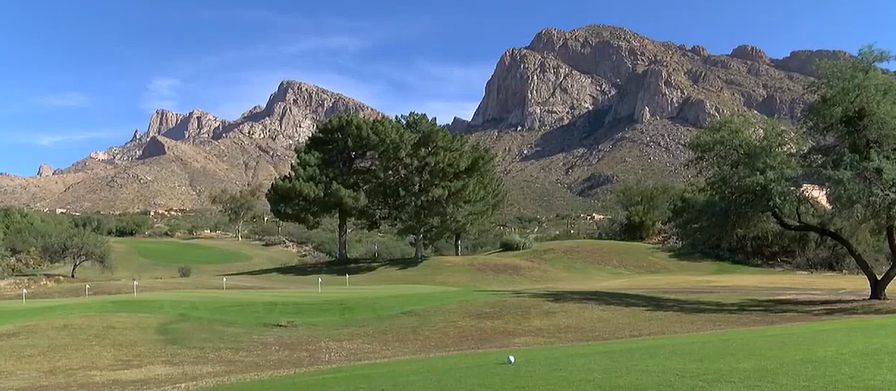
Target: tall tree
417,169
475,196
239,206
331,174
848,149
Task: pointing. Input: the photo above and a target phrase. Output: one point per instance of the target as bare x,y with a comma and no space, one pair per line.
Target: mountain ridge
569,114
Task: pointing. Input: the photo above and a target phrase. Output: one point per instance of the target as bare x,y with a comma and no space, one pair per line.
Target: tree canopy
845,150
239,206
331,175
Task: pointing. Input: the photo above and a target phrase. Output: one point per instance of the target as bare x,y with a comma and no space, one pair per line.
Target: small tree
645,207
78,246
238,206
332,174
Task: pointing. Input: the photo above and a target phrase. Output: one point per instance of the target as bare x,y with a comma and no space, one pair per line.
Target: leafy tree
416,169
644,207
331,174
78,247
92,223
848,148
476,194
238,206
130,225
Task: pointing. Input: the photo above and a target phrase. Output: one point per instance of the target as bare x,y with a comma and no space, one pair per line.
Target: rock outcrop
292,113
194,124
562,76
44,170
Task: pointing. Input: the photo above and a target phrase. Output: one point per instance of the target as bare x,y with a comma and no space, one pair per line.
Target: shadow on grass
818,307
352,267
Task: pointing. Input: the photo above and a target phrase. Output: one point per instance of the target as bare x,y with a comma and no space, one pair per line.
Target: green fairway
820,356
171,252
190,333
247,308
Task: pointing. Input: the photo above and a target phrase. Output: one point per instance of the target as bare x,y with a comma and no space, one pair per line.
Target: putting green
177,252
248,308
820,356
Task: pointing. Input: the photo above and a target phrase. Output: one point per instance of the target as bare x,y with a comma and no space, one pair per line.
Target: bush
515,242
272,241
185,271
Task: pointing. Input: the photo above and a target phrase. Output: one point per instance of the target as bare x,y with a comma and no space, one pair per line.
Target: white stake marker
87,290
23,295
225,283
135,287
346,279
319,280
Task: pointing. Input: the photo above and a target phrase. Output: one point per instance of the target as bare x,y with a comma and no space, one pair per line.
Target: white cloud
52,139
161,93
65,99
229,82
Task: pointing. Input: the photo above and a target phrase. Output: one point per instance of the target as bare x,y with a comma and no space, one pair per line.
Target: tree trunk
239,231
457,245
418,246
342,238
279,229
878,289
75,268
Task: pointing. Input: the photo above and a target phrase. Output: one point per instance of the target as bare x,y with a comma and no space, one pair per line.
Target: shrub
272,241
185,271
515,242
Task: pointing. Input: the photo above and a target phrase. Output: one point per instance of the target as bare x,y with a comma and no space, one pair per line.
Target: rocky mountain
587,107
180,159
569,114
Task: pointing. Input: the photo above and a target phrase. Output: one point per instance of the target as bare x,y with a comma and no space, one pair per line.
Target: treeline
820,194
407,173
32,240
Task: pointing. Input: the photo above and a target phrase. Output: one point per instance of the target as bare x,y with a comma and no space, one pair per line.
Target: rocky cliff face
292,113
289,117
605,102
562,76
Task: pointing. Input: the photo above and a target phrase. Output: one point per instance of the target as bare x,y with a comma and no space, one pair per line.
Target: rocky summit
568,115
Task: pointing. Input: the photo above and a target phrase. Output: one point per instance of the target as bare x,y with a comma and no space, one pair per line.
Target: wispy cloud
161,93
65,99
55,138
229,82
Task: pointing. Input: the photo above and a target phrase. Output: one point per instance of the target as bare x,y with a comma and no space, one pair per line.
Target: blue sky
79,76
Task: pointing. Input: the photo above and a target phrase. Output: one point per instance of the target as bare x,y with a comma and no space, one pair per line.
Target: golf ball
510,360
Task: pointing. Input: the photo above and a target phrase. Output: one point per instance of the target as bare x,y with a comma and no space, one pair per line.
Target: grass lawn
820,356
191,334
170,252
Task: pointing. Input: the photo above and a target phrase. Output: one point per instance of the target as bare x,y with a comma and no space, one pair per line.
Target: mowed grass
190,333
168,252
821,356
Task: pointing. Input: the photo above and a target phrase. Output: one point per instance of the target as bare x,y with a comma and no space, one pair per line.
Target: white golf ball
510,360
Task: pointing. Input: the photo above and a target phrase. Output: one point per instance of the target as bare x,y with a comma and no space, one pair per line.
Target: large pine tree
331,175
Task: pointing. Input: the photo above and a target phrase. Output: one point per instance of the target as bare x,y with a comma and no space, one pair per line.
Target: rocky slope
592,105
182,158
569,114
